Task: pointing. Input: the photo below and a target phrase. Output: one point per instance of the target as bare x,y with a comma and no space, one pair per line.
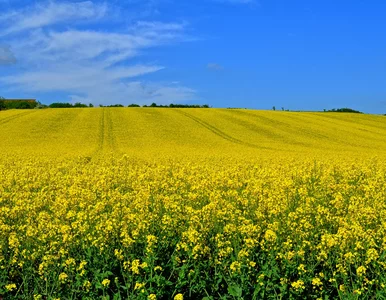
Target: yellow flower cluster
223,212
297,216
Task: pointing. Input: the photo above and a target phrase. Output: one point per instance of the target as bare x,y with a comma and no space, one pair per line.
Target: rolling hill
184,132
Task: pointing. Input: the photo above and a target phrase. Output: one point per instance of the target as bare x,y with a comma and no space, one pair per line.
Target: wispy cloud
137,92
214,67
86,63
49,13
6,56
80,78
159,26
237,1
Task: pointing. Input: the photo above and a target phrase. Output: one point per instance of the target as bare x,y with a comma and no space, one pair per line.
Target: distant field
147,203
180,132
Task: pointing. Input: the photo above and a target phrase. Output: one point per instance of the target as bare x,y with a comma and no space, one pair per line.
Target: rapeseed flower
178,297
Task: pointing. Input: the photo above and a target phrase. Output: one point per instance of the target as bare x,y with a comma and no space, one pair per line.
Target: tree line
17,104
29,104
343,110
346,110
69,105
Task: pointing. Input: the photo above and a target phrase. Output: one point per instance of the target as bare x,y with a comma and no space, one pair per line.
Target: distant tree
66,105
133,105
20,104
273,108
2,103
178,105
114,105
60,105
78,104
345,110
90,105
41,105
23,105
282,108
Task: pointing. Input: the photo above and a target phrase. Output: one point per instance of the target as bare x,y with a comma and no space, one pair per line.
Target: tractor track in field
11,118
101,132
110,134
283,125
220,133
106,142
269,133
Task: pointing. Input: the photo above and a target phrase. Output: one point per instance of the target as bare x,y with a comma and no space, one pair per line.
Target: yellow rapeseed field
147,203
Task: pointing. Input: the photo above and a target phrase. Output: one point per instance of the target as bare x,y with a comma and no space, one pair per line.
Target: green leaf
235,291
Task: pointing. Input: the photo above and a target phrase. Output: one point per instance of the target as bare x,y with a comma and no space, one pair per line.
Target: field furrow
219,132
13,117
156,203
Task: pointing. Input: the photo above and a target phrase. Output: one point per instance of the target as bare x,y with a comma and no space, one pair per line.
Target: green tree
2,103
345,110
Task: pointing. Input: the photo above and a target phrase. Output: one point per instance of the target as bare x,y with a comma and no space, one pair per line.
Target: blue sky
300,55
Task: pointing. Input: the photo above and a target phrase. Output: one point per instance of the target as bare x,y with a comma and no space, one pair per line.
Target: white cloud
136,92
6,56
78,78
89,64
237,1
159,26
215,67
49,13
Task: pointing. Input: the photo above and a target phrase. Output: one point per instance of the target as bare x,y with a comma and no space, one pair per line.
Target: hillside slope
129,203
173,132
